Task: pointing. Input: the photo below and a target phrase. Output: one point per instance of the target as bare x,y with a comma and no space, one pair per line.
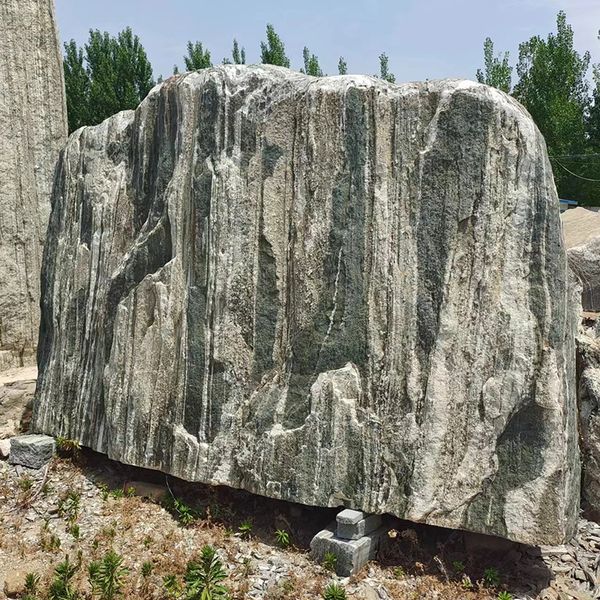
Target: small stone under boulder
32,451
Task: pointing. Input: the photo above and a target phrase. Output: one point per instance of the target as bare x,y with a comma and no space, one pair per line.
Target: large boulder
334,291
582,239
33,128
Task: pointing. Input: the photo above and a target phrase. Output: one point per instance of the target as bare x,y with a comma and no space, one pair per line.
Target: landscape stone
333,291
582,239
588,357
33,122
32,451
14,584
4,448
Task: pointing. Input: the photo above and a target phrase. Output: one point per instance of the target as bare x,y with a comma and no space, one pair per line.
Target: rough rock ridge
33,128
334,291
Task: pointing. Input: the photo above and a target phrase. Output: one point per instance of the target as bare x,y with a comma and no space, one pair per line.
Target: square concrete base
351,555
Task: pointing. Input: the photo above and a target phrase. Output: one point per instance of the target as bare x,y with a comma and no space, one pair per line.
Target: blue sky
425,39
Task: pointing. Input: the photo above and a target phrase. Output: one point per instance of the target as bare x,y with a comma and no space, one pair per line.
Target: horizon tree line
113,73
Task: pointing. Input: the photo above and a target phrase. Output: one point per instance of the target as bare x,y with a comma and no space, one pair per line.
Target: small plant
32,581
61,587
181,511
245,529
67,447
130,492
282,537
504,596
69,506
491,577
458,566
334,592
104,490
74,531
147,568
25,483
117,493
202,578
399,573
172,586
466,583
329,561
148,541
107,576
247,567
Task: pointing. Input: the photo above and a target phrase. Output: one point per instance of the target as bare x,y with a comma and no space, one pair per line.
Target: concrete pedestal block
354,524
351,555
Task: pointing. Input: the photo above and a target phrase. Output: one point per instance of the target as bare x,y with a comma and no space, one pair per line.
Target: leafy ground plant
62,587
245,529
329,561
282,537
32,581
491,577
334,592
504,596
107,576
203,577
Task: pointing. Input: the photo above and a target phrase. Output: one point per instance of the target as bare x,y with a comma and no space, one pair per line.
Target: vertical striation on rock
33,124
334,291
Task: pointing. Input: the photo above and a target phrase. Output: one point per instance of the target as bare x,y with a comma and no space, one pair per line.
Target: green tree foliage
342,66
553,87
77,85
272,52
238,55
197,57
311,63
117,76
498,72
384,71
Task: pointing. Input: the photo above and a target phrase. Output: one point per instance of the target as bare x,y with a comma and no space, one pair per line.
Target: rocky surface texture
582,239
588,362
17,387
333,291
33,122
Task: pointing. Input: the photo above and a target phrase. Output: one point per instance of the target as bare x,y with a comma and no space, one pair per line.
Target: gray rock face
588,347
33,122
333,291
582,238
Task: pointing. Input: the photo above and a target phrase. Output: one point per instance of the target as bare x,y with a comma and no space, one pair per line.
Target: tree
498,72
553,87
272,52
311,64
342,66
117,76
77,86
384,71
239,56
197,57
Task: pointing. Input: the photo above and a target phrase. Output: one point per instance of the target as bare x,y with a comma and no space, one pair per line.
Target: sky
424,39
